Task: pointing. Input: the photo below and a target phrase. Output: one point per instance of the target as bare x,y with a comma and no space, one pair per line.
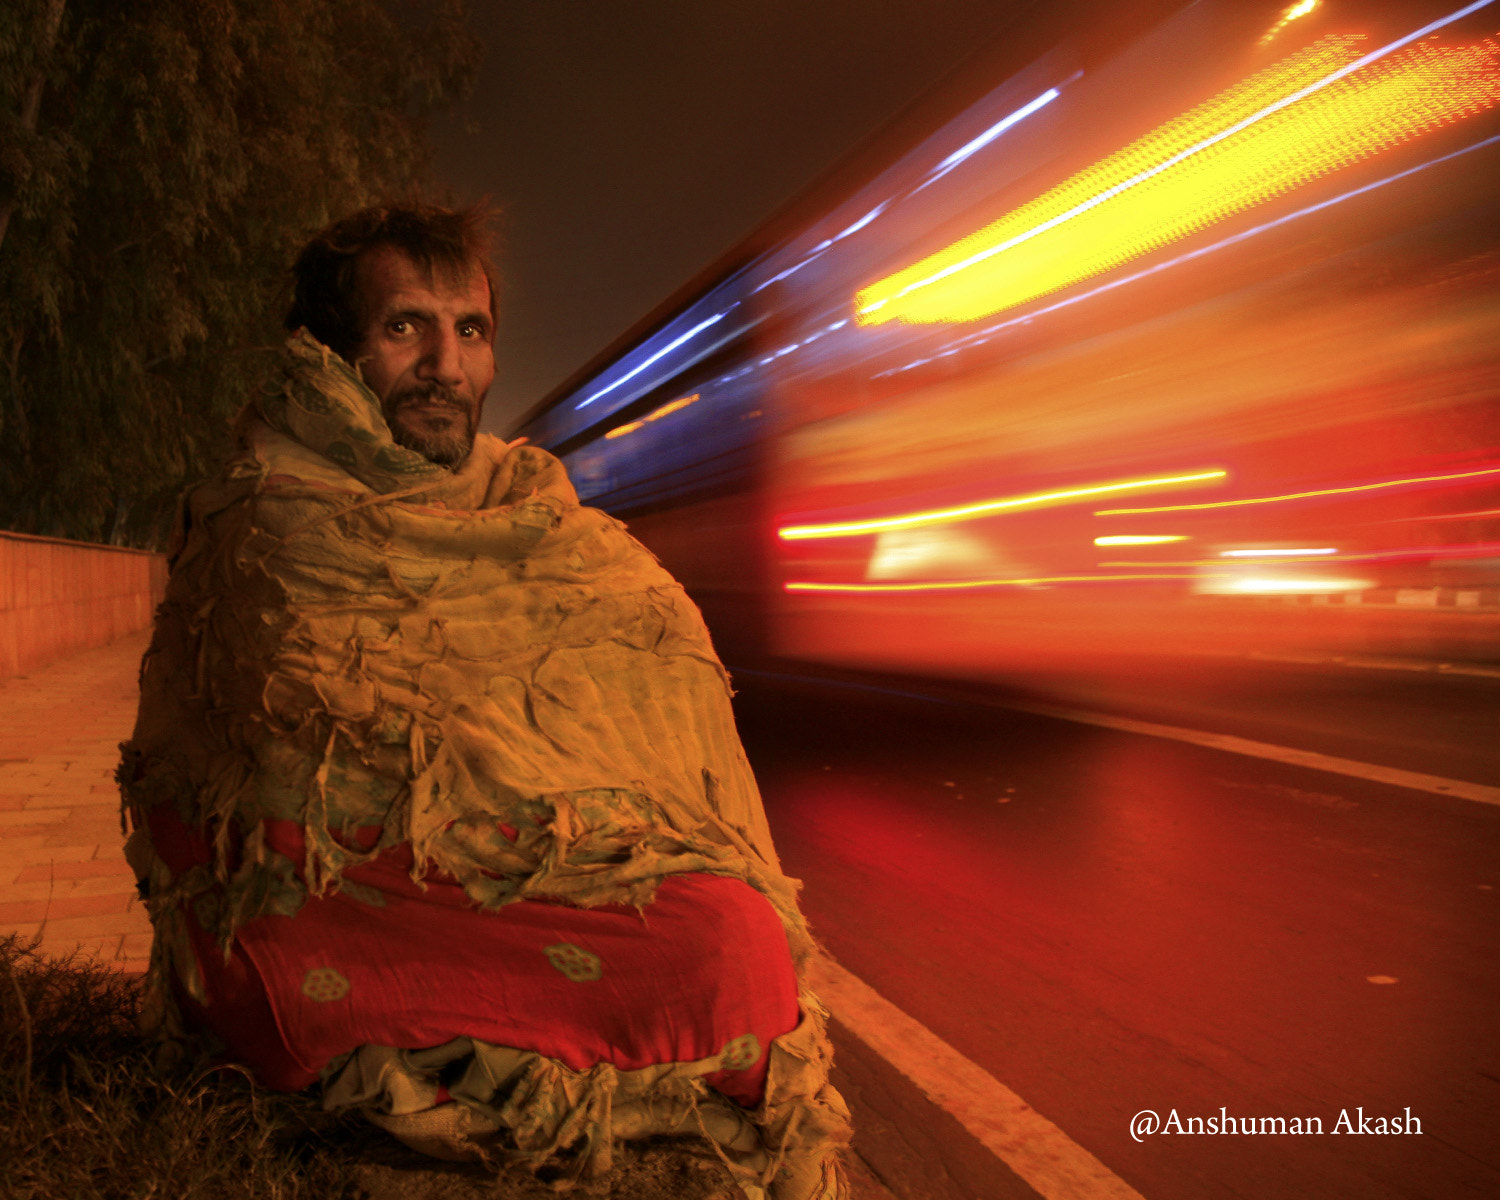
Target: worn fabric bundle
374,680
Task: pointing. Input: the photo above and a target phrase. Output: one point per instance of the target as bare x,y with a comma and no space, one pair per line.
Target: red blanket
704,967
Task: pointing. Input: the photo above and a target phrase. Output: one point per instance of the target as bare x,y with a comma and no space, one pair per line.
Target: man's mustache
427,394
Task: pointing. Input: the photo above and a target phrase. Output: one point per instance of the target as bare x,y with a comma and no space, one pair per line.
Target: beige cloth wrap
353,637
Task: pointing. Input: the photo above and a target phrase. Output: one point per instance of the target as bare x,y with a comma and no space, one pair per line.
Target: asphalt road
1107,922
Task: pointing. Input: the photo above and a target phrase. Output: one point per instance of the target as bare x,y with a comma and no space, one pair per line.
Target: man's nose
442,360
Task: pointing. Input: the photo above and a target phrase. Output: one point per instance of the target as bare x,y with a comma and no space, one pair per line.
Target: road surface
1104,922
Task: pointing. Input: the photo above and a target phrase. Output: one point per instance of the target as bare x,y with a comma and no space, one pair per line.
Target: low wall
59,597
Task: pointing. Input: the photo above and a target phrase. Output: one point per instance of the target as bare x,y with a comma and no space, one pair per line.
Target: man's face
427,351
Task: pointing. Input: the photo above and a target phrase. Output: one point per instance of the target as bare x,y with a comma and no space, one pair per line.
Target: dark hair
323,277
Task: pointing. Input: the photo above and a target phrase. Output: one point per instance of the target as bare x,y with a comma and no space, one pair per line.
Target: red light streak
1464,516
1462,550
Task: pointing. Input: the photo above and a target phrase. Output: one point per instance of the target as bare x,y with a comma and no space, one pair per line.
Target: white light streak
1293,553
994,131
864,220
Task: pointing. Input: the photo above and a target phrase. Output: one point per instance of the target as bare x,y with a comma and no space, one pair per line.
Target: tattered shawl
354,638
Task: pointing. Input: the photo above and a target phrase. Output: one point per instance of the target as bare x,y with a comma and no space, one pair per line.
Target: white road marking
1416,780
1029,1144
1439,785
1416,665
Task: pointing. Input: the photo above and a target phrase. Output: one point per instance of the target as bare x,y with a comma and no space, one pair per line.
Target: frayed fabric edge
517,1108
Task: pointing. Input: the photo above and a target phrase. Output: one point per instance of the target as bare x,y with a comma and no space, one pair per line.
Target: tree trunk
31,106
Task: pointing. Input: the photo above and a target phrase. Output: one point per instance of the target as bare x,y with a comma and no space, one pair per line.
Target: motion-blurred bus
1183,344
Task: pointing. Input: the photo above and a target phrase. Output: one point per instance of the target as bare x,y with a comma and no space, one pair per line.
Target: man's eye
471,331
398,327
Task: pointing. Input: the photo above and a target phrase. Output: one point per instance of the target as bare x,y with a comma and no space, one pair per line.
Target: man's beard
445,447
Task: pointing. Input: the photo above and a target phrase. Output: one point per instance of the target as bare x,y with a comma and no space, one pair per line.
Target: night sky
630,143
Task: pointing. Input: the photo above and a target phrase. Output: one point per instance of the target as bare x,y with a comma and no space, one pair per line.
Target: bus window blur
1187,348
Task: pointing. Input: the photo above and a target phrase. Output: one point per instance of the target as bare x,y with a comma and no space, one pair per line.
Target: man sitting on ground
435,786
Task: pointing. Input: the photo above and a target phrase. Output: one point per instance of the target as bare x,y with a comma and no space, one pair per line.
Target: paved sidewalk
62,866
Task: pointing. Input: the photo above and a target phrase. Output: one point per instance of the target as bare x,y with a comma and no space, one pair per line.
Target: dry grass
83,1115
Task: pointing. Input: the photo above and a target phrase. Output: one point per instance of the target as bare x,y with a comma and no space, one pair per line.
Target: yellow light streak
1302,9
672,407
1280,129
968,512
1221,564
1338,491
1139,539
958,584
654,415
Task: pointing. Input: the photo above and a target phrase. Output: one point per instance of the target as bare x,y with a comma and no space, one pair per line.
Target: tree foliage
160,163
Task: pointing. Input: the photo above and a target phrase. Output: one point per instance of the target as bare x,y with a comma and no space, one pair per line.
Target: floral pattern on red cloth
704,969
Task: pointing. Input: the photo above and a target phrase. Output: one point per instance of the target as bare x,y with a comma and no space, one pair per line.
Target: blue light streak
953,160
657,357
825,244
